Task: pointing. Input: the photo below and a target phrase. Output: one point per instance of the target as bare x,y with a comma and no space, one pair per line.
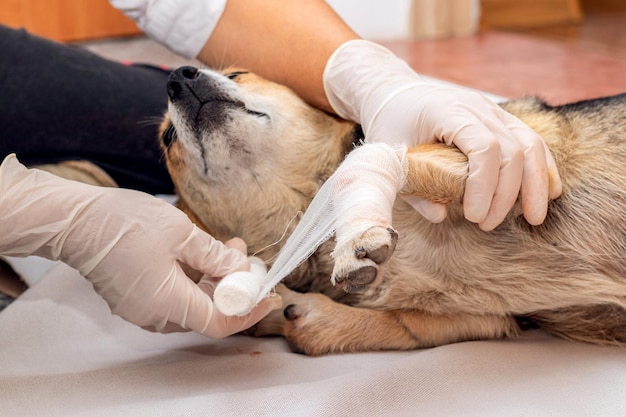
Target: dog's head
247,154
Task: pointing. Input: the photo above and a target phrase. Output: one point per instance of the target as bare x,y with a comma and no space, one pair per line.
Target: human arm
288,42
126,243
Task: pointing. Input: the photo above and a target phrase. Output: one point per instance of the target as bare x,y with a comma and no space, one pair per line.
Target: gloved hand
368,84
127,243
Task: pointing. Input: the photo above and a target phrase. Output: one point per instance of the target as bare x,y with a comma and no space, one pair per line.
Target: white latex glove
127,243
368,84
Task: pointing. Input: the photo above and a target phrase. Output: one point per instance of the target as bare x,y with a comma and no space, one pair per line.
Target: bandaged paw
237,293
356,198
364,189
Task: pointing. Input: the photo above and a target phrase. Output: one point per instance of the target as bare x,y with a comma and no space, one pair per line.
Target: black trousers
60,102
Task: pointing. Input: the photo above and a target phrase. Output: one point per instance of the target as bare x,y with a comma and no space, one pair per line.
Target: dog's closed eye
235,74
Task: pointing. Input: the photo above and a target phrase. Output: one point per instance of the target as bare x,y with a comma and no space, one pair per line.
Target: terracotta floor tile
601,32
513,65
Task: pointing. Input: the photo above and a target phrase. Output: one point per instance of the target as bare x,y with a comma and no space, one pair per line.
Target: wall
375,19
66,20
409,19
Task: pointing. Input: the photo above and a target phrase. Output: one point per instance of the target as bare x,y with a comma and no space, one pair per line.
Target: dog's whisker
264,248
272,259
150,121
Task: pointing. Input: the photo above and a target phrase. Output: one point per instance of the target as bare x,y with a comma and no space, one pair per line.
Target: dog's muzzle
198,97
181,82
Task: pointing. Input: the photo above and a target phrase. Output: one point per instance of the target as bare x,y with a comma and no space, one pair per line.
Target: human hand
366,83
128,244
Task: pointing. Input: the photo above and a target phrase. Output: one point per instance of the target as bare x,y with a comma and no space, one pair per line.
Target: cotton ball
236,293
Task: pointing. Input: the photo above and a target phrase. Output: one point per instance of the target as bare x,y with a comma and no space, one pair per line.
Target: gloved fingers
508,187
556,185
234,243
208,283
483,152
183,303
511,169
210,256
524,169
219,325
237,243
180,305
538,145
433,212
189,307
540,180
223,326
157,305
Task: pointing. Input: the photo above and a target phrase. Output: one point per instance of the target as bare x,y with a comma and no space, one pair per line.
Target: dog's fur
246,155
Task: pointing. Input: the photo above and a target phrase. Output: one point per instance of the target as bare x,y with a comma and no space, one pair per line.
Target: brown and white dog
246,155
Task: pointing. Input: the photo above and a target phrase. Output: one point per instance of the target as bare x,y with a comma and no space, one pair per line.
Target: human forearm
285,41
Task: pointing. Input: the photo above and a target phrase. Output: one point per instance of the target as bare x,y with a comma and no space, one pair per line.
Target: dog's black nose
178,78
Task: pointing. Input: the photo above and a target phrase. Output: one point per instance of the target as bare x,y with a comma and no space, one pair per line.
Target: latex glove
368,84
127,243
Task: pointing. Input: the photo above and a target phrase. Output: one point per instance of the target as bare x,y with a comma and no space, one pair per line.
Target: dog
246,155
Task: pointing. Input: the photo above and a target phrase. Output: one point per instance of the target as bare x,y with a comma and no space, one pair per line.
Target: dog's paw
304,321
357,263
274,323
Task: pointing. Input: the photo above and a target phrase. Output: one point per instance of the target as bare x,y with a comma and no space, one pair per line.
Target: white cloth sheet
63,354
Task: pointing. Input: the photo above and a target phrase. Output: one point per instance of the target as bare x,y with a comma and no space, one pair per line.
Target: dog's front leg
436,172
315,325
364,190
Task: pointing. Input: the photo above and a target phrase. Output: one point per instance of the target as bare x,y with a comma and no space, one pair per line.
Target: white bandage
358,195
237,293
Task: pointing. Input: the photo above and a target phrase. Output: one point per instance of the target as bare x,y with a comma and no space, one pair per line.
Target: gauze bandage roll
362,189
237,293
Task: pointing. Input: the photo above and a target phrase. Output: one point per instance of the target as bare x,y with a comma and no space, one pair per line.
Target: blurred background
561,50
78,20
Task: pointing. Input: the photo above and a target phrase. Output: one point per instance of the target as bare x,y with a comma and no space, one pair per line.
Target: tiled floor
560,64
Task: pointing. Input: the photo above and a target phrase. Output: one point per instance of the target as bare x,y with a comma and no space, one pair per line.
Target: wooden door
528,13
67,20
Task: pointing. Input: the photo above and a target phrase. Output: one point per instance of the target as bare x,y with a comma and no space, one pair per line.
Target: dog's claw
290,312
358,280
356,270
379,255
